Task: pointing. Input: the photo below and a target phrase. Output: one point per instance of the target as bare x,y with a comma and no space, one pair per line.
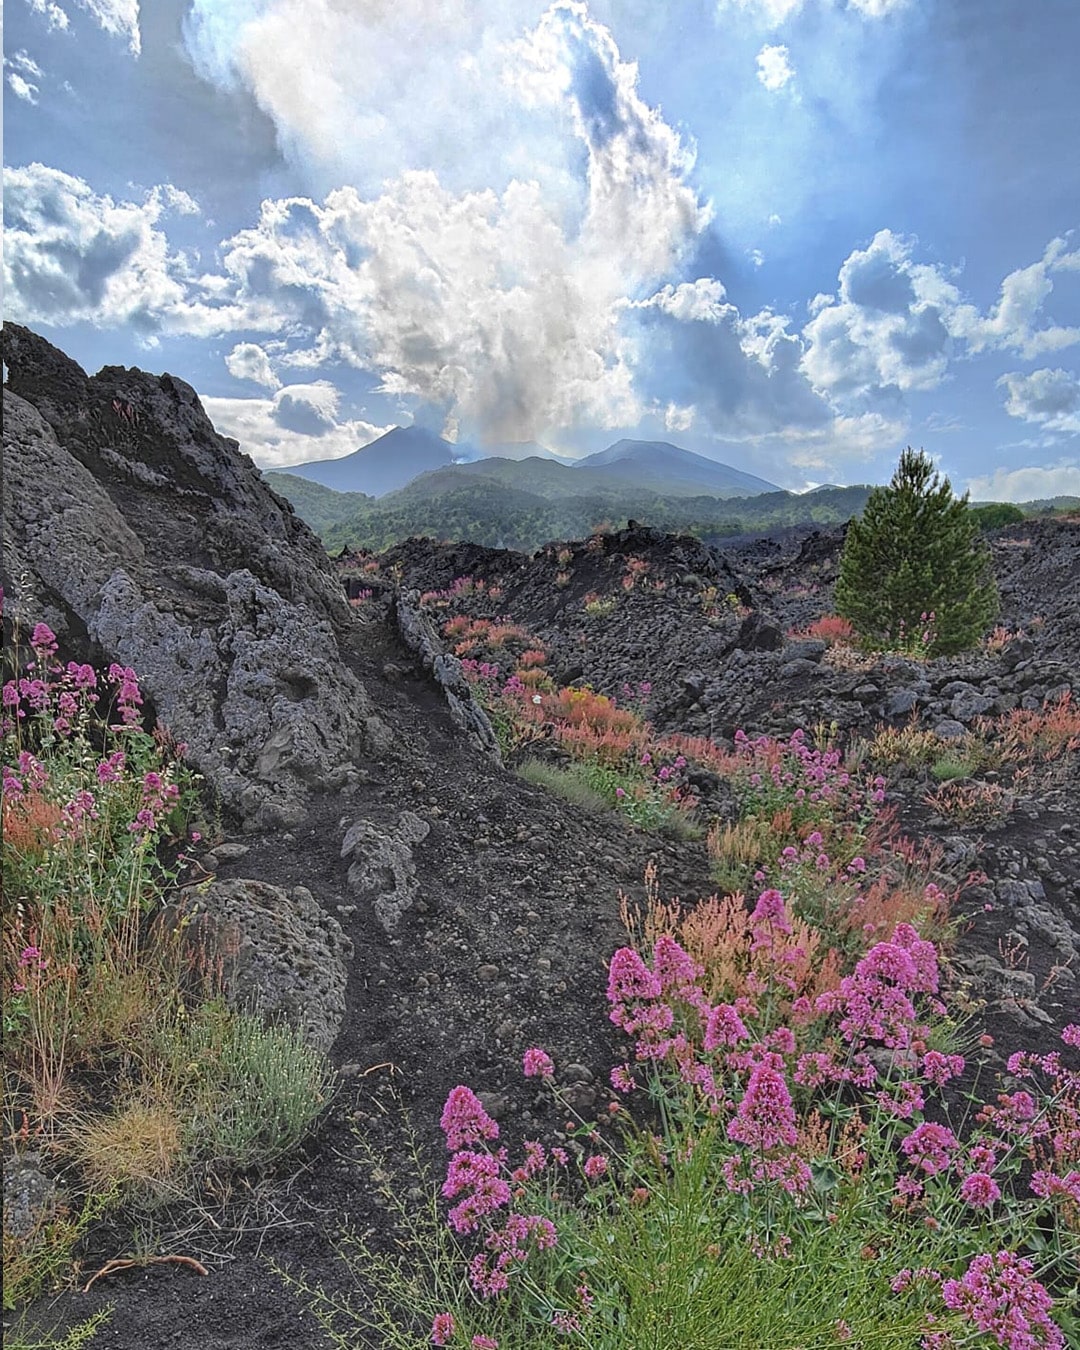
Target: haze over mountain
385,465
402,455
669,468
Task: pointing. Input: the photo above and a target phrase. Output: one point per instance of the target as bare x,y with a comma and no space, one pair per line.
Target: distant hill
492,502
519,450
669,469
383,466
397,459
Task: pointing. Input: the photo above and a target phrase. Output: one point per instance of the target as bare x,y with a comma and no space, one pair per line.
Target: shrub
994,515
913,571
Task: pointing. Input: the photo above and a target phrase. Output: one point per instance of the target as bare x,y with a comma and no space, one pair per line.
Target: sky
792,235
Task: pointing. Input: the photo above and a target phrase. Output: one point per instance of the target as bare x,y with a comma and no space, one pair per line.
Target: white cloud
678,418
774,68
24,76
53,15
1012,323
1029,484
70,255
119,18
249,361
22,88
775,13
884,330
1049,398
375,86
493,307
266,427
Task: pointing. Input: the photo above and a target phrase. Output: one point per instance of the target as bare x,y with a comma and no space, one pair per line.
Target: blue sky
794,235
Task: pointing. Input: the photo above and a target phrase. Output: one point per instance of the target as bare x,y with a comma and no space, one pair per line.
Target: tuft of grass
570,784
248,1093
949,768
137,1147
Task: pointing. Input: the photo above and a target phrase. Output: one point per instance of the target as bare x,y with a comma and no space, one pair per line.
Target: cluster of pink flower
802,776
481,1179
158,798
999,1295
877,1001
481,670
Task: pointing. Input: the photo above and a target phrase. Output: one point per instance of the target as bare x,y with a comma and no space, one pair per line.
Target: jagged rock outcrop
144,537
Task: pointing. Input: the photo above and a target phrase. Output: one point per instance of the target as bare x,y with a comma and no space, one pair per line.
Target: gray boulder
281,955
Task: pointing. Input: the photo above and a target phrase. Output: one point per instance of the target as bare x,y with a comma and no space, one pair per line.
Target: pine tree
916,552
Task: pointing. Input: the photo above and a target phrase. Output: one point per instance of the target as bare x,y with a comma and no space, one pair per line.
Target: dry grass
138,1146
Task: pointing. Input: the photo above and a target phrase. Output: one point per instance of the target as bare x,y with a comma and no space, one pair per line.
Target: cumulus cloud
1012,324
493,308
885,332
1024,485
51,12
895,324
71,254
24,76
377,85
249,361
119,18
1049,398
300,423
774,68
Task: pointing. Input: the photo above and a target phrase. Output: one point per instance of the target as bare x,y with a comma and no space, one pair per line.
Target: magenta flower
673,966
1071,1035
464,1120
596,1167
724,1027
979,1190
998,1295
43,640
630,978
537,1064
770,909
484,1343
442,1329
765,1118
930,1147
479,1175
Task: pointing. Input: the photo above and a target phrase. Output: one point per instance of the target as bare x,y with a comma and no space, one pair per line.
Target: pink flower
464,1120
998,1295
770,909
673,966
537,1064
630,978
938,1068
930,1147
622,1080
43,640
478,1174
979,1190
765,1118
442,1329
724,1027
596,1167
484,1343
1071,1035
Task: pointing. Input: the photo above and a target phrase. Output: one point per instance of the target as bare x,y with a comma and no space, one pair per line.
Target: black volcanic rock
141,536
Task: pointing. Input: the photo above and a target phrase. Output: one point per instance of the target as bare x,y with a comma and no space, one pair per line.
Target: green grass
570,784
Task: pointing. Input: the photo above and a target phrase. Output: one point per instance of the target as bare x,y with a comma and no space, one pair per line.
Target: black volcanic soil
520,898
